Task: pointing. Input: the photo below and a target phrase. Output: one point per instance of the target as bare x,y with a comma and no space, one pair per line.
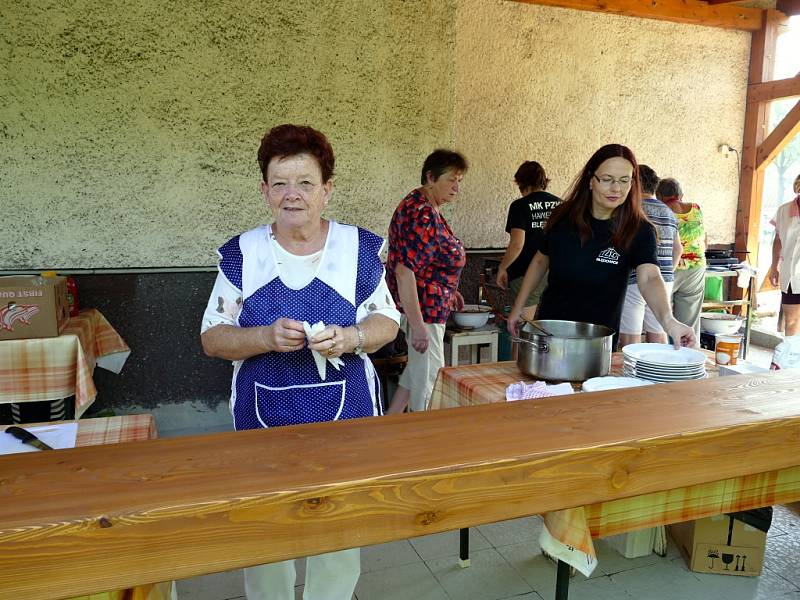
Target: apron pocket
293,405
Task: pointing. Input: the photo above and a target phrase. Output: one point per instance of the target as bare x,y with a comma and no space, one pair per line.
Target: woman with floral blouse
423,271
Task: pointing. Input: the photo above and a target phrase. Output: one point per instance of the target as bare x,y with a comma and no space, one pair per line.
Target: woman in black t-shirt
591,242
525,226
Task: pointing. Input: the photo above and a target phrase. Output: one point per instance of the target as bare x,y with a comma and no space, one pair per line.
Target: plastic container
713,289
72,297
727,349
72,292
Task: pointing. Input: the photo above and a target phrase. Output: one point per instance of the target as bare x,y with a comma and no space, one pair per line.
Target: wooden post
751,185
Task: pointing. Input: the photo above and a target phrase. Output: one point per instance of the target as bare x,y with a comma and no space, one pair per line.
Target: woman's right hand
419,338
284,335
514,319
502,278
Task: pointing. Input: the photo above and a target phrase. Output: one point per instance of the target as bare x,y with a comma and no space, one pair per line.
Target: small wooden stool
456,338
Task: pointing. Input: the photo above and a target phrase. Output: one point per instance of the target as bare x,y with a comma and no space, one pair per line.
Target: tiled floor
507,563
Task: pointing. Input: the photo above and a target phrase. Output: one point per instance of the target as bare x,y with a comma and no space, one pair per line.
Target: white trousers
637,316
422,368
331,576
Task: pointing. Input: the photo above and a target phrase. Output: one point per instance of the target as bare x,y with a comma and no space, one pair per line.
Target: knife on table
27,437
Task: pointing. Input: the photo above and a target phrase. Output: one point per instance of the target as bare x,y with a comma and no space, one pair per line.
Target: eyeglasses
608,181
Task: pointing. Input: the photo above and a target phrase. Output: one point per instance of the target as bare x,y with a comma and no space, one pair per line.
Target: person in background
423,271
273,280
525,224
591,242
785,268
690,274
635,312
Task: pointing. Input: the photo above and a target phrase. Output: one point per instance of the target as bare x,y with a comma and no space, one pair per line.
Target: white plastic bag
787,354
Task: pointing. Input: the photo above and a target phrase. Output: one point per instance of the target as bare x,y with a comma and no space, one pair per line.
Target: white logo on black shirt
609,255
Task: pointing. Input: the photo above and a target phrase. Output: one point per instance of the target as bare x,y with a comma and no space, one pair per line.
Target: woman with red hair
296,306
591,243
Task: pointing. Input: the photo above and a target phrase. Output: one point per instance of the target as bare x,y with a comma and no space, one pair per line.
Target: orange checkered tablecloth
568,533
114,430
468,385
59,367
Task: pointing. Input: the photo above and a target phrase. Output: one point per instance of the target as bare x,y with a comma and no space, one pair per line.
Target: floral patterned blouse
421,239
693,237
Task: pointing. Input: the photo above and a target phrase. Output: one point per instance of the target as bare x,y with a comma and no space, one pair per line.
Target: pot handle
540,347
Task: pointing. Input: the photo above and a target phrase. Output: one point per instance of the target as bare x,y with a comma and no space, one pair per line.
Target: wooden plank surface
681,11
107,517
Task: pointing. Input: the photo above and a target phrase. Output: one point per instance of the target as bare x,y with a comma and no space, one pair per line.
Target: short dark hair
669,188
531,174
648,179
291,140
441,160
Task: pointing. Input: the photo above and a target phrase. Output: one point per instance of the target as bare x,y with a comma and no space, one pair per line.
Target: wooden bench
108,517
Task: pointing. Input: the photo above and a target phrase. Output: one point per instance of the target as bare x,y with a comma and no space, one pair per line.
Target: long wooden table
115,516
113,430
567,534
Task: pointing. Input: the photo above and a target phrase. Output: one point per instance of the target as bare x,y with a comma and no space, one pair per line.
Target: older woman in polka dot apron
275,284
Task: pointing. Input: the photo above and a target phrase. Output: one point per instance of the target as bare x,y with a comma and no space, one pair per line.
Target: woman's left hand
334,340
456,301
682,335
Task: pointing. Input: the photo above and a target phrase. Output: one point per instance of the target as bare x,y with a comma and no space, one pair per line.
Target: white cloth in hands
319,359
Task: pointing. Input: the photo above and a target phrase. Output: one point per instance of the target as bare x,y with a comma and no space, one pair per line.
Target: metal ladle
539,327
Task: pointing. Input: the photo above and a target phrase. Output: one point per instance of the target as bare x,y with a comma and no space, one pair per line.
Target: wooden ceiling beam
774,90
680,11
779,138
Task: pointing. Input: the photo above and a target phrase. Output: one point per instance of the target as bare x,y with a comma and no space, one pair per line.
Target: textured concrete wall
553,85
129,132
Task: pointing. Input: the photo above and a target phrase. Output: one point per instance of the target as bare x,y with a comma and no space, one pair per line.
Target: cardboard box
721,544
32,306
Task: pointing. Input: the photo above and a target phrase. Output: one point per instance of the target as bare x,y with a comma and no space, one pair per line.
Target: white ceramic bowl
720,323
472,315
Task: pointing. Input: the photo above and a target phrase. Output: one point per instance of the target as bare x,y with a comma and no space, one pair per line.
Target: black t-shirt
529,213
588,283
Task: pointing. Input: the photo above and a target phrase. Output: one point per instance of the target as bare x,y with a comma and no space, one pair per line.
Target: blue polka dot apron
284,388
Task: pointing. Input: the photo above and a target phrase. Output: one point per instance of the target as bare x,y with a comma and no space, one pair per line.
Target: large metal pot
573,351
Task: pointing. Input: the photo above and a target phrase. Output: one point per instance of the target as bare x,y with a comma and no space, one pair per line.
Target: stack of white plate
661,363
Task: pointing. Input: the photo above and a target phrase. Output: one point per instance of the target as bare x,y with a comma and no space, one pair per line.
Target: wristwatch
360,346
